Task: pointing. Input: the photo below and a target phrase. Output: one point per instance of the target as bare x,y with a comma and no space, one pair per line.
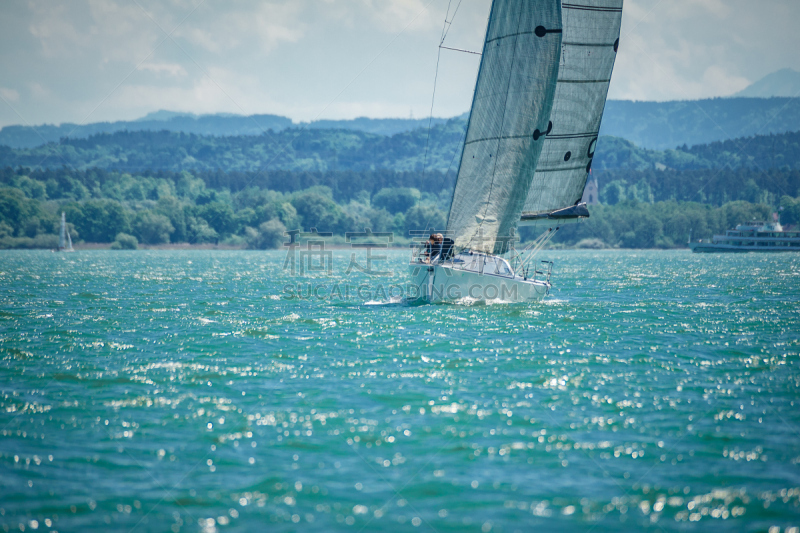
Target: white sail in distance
588,50
61,234
508,121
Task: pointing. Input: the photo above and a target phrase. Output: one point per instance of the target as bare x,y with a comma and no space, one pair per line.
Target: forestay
508,121
588,50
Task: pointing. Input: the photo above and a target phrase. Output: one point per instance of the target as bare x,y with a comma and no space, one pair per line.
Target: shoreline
88,247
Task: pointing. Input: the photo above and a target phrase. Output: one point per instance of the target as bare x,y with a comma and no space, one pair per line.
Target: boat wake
393,301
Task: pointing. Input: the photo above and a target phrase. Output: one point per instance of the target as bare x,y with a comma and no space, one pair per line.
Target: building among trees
591,194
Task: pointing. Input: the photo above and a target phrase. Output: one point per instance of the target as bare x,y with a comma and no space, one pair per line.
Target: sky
84,61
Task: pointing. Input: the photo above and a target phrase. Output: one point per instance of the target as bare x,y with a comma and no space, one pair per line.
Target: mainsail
588,50
509,120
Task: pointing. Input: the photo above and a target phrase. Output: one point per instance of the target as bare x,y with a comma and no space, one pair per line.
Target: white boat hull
446,283
713,247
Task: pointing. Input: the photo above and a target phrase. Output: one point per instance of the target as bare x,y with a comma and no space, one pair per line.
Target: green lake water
186,391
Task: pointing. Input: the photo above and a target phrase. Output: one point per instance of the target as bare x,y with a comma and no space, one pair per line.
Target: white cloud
38,90
9,94
275,23
268,24
173,69
687,49
718,81
201,38
55,33
107,29
344,58
205,94
396,15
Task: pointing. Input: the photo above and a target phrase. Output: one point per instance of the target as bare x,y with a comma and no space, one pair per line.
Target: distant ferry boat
753,237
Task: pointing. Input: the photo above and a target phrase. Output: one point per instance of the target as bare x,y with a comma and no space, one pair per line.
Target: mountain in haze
378,126
212,125
216,125
664,125
163,114
651,125
785,82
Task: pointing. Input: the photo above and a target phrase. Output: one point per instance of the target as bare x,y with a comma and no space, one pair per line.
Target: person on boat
438,241
448,247
430,248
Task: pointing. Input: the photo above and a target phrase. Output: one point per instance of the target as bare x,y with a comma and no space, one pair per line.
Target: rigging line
444,26
539,245
450,24
433,96
460,50
447,25
430,119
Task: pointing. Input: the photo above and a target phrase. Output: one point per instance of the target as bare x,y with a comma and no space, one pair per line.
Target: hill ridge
652,125
299,149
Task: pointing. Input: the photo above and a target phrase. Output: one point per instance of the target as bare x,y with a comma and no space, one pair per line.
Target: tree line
715,186
162,208
256,209
665,224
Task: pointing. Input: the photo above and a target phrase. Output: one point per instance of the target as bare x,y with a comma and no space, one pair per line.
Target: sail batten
593,8
508,122
589,47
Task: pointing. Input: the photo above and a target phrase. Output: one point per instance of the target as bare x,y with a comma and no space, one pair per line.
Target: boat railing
419,252
546,271
480,263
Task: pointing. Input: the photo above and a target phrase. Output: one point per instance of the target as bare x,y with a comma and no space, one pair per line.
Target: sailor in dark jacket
437,247
448,248
431,248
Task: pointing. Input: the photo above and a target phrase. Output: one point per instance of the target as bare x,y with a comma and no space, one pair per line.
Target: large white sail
508,122
588,51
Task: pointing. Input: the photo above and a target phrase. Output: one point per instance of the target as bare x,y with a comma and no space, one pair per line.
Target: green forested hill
311,150
292,149
160,187
759,169
760,151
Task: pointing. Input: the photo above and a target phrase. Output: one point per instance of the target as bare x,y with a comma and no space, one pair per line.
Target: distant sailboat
532,132
64,238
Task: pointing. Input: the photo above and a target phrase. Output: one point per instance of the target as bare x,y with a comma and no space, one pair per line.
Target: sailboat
533,127
64,238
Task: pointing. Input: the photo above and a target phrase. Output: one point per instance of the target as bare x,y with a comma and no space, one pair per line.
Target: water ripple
185,391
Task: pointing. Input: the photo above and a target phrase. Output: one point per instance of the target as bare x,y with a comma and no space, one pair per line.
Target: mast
588,51
509,119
